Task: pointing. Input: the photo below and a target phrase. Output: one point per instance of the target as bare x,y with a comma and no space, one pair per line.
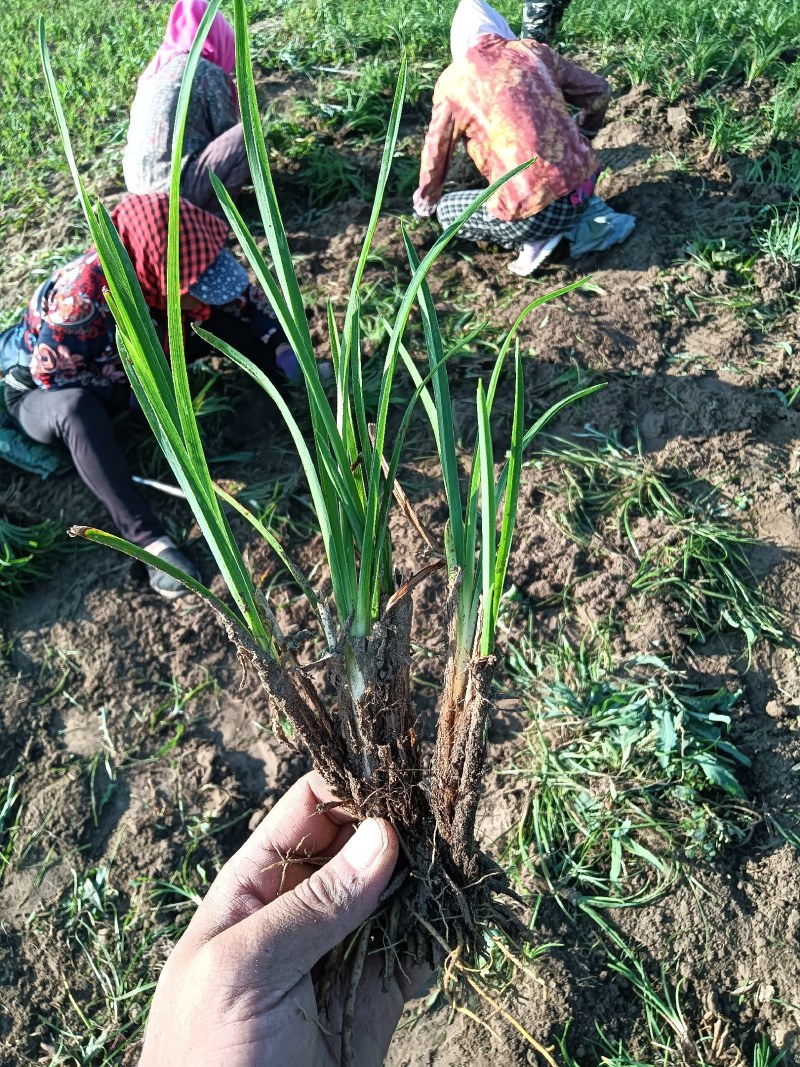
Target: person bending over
66,380
213,139
510,101
237,988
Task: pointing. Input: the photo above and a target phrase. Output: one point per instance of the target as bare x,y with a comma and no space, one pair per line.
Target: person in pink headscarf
213,140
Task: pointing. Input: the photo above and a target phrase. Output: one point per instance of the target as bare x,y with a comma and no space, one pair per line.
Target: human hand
422,205
237,990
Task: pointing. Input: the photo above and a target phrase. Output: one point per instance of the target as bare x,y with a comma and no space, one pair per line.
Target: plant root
447,893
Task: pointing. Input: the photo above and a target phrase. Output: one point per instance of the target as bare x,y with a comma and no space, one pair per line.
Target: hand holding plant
237,989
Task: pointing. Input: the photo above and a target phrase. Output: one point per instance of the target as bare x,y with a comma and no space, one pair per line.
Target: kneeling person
510,101
69,382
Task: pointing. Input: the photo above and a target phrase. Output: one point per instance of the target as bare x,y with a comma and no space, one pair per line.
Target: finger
281,943
258,872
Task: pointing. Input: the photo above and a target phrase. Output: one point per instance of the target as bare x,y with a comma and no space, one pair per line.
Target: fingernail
365,845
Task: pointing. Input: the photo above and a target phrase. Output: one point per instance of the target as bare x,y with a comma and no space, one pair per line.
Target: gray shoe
164,584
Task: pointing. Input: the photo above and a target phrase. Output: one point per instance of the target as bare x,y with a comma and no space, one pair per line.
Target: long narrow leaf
488,518
394,462
511,498
324,422
260,172
142,355
175,322
354,303
276,547
100,537
512,333
368,576
444,413
340,561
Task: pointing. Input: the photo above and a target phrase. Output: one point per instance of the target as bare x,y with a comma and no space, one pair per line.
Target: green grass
684,47
102,50
106,925
314,32
763,1056
781,238
28,555
10,810
685,546
719,253
775,168
733,265
630,777
684,44
664,1034
104,47
118,936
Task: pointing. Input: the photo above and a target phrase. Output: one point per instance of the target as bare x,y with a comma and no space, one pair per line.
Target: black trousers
80,418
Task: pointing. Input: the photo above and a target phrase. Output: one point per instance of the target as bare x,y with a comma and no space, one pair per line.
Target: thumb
299,927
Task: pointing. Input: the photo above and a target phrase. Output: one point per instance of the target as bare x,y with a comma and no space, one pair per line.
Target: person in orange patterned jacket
510,100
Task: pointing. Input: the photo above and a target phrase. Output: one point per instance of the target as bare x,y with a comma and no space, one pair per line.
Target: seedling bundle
449,899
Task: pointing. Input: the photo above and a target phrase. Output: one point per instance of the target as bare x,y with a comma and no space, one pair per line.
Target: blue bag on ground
599,227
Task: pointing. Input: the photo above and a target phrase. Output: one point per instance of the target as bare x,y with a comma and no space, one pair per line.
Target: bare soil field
141,753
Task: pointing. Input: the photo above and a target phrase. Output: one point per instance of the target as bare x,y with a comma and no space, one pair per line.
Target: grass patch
706,50
776,168
666,1034
28,555
781,238
107,46
107,934
10,810
717,253
119,938
314,32
684,546
630,777
687,43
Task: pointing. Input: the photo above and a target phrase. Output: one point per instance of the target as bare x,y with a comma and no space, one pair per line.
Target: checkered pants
482,226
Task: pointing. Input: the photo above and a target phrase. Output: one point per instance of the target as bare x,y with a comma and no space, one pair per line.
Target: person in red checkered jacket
64,379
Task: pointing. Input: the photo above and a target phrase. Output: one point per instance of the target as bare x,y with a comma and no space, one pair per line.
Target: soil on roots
447,895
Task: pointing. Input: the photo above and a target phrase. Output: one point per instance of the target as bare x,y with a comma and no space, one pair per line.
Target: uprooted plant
449,899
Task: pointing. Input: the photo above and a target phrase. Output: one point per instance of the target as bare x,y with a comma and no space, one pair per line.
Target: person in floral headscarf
510,101
213,139
65,380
